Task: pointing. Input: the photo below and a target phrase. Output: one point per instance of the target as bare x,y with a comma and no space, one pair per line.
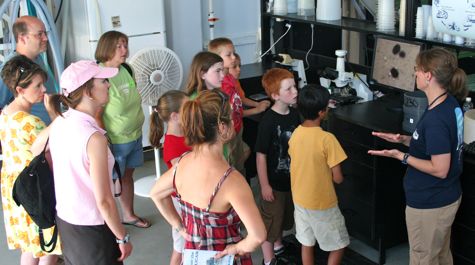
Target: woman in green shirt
123,118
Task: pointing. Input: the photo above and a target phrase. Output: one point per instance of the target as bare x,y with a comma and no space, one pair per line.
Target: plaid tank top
211,230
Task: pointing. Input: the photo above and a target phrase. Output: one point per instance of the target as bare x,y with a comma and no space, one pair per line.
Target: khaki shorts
238,153
325,226
277,215
429,234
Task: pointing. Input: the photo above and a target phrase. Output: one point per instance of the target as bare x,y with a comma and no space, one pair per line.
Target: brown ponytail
444,67
72,100
168,103
458,85
201,117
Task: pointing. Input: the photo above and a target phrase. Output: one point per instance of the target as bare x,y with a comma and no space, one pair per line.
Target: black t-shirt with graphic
273,140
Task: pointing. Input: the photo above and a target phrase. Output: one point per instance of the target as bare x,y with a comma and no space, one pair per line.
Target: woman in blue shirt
432,183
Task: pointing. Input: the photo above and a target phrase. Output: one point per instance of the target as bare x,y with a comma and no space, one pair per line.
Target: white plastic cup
447,38
459,40
328,10
280,7
306,7
292,6
426,11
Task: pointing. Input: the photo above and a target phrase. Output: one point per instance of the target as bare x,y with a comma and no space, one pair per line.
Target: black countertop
384,114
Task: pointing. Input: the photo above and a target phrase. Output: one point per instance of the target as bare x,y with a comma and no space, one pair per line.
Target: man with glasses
32,40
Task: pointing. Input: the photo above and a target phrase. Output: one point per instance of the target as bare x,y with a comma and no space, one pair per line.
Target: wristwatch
404,159
123,241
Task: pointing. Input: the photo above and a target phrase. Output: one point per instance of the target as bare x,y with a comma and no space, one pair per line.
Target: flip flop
139,222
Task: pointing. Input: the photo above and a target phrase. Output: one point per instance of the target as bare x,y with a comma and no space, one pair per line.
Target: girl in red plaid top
214,198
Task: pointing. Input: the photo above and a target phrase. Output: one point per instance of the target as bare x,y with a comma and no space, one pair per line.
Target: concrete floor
153,245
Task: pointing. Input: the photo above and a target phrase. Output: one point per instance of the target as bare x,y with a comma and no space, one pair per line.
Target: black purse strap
52,243
38,184
119,178
117,171
46,144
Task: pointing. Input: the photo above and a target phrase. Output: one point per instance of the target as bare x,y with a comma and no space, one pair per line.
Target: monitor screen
393,63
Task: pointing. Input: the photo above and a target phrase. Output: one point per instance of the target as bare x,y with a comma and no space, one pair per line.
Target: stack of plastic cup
292,6
385,20
280,7
306,7
420,23
431,33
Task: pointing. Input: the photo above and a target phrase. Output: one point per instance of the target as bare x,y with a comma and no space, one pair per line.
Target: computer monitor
393,63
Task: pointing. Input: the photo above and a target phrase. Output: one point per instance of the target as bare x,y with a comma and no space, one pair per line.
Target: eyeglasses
22,70
40,34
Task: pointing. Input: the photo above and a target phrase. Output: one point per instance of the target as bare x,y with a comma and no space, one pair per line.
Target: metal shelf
364,26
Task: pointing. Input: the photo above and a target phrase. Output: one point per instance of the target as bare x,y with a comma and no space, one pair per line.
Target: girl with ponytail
167,111
213,197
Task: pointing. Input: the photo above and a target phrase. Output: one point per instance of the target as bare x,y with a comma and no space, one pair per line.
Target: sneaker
272,262
279,251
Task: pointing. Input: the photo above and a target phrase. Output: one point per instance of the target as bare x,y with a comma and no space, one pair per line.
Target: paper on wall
456,17
205,257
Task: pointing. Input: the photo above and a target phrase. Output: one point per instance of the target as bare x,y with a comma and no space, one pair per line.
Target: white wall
183,29
239,21
187,28
188,31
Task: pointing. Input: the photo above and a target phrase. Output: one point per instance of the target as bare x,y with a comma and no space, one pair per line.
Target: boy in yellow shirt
315,157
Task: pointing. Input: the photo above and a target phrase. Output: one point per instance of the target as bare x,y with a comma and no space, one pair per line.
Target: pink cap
78,73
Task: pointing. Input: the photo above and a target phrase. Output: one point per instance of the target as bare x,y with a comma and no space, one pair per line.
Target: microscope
295,64
344,78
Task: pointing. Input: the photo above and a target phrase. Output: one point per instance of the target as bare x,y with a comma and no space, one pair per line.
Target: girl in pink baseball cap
87,218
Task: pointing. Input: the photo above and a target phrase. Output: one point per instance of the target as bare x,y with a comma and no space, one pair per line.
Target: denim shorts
128,155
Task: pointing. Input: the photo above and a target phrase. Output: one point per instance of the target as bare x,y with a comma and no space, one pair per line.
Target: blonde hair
203,115
200,64
444,67
168,103
216,45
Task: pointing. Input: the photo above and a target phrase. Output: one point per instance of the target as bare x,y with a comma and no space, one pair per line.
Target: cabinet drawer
359,218
468,179
357,153
357,183
466,212
463,241
351,132
461,260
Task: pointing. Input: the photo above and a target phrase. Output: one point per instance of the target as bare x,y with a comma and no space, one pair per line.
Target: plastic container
467,105
306,7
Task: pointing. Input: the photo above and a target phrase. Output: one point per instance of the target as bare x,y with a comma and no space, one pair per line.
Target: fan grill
157,70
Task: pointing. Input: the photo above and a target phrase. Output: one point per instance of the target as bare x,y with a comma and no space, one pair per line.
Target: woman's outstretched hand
393,137
393,153
390,137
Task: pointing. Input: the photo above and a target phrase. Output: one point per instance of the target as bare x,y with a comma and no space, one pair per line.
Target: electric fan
156,70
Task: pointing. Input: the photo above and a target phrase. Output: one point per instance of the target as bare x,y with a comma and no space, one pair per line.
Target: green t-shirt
123,115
